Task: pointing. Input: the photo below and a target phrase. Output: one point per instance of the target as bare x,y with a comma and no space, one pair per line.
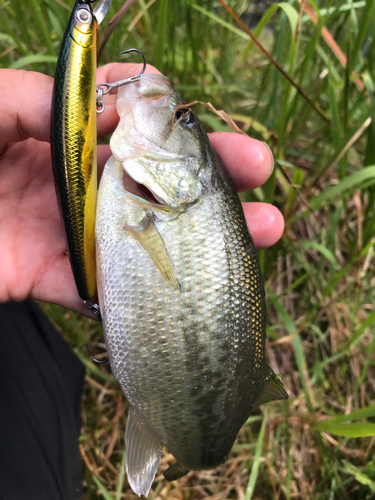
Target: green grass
319,278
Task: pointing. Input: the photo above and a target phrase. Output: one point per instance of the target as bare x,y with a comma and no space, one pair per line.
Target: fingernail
272,158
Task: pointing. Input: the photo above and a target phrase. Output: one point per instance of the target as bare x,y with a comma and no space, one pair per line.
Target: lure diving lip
73,140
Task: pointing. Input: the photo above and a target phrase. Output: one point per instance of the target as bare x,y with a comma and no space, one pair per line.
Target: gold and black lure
73,139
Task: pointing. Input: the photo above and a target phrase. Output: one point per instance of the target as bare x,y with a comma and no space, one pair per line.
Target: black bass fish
73,139
180,289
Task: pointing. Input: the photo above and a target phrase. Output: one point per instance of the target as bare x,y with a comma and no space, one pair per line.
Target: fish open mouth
160,164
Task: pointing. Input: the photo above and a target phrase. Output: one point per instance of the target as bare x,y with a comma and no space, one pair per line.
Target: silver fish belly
180,291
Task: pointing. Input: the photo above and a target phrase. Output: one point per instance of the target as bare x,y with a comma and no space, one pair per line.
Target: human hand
34,262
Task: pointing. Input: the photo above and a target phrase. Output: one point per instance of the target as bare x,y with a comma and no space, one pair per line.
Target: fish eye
84,16
188,119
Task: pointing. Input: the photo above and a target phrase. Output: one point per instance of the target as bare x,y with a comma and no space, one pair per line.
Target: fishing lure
73,139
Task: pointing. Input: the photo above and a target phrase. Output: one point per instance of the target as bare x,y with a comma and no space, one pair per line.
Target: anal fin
175,471
151,240
273,389
143,453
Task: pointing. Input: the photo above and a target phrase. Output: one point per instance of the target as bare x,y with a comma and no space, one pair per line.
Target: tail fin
143,453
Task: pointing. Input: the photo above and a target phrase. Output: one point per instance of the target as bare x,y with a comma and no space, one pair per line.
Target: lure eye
84,16
187,119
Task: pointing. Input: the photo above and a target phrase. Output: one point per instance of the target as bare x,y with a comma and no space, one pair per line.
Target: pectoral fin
143,453
153,243
273,389
175,471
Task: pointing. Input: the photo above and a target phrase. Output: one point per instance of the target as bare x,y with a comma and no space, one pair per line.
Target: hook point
143,57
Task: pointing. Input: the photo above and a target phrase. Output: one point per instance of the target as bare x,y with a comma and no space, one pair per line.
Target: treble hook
98,361
120,83
94,308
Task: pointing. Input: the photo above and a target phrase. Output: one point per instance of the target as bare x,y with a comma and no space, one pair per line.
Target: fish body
73,141
180,289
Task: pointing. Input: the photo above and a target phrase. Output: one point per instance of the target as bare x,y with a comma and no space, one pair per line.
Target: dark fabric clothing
41,383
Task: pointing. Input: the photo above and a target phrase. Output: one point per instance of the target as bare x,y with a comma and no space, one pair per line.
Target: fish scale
189,359
179,365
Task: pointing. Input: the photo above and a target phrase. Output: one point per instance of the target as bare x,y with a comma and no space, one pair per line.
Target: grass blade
275,63
32,59
348,184
359,475
298,349
220,21
102,488
362,30
121,477
292,15
255,468
162,34
42,25
356,430
112,25
355,415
